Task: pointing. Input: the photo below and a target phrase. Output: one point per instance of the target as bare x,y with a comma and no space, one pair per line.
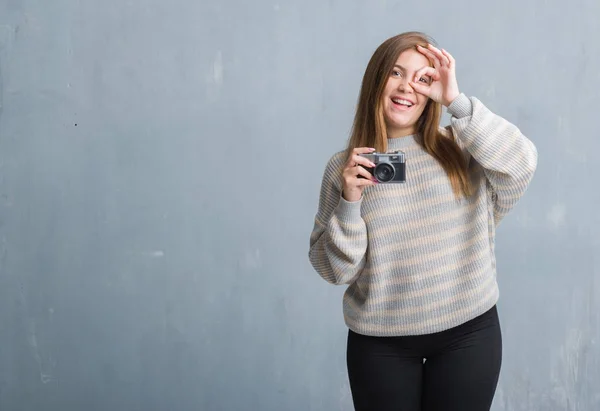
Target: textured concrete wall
159,172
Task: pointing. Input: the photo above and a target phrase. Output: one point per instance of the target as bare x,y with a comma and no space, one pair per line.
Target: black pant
453,370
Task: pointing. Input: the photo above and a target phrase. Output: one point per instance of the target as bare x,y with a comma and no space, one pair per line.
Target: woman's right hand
353,185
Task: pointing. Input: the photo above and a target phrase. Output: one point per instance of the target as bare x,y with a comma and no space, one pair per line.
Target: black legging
460,372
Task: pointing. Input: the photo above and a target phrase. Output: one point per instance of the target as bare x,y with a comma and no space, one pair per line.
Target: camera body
390,168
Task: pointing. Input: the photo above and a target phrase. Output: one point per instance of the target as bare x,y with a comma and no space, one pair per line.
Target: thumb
420,88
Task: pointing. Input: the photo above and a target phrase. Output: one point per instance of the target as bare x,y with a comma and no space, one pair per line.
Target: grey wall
159,172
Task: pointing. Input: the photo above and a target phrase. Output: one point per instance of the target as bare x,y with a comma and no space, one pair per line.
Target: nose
404,85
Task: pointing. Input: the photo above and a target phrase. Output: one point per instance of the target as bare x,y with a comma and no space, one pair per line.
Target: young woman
418,257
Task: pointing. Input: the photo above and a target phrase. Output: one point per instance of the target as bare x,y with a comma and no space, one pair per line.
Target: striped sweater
416,259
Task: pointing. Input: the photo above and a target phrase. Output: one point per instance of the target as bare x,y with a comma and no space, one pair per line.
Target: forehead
412,60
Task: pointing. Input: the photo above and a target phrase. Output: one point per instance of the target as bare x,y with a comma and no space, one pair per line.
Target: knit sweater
416,258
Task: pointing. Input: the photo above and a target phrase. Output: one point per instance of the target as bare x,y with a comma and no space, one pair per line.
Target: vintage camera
389,167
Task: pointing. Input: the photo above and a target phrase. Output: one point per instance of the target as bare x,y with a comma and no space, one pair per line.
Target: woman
418,257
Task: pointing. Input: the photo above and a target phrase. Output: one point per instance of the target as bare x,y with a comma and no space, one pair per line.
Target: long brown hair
369,127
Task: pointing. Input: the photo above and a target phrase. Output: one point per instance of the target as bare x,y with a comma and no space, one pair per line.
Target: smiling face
402,106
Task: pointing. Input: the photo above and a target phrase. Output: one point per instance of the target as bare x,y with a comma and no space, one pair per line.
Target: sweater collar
401,143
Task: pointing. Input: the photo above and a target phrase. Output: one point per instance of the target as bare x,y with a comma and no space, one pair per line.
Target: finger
421,88
429,73
360,160
351,162
363,150
358,177
361,180
431,56
435,51
354,170
441,57
449,57
361,171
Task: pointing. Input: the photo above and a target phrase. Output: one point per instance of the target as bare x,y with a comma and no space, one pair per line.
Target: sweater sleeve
338,242
508,158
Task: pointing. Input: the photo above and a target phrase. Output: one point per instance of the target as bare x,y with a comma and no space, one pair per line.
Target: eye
424,80
396,73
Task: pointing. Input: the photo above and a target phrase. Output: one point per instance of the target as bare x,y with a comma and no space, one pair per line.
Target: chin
402,117
402,124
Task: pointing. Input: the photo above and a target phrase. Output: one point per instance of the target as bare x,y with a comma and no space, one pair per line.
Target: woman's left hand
443,87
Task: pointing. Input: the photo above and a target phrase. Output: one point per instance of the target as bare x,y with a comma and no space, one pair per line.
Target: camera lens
384,172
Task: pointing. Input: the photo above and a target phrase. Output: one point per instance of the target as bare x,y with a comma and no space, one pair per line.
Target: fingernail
372,164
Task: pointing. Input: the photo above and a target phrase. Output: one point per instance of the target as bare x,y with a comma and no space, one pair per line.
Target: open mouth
402,103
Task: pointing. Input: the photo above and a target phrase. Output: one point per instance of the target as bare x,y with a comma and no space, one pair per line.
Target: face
402,106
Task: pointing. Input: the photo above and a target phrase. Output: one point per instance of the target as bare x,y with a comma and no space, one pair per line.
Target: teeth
402,102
